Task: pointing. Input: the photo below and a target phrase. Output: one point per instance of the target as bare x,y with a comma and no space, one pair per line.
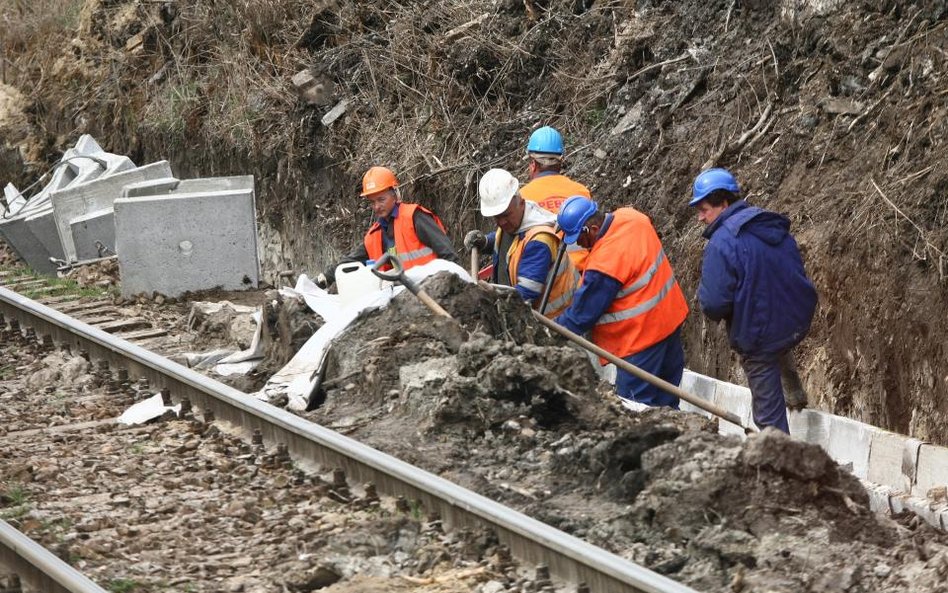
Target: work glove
322,281
796,399
475,239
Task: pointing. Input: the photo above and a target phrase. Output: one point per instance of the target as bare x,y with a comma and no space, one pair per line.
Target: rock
492,587
776,450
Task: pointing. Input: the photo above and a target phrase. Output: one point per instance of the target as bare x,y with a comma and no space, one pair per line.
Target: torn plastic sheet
146,410
236,368
255,352
298,378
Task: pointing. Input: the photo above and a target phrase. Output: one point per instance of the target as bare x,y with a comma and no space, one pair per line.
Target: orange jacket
650,305
550,191
564,282
409,249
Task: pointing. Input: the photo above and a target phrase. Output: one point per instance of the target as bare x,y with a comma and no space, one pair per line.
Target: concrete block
150,187
90,231
28,247
849,443
699,385
811,426
43,226
80,199
932,470
892,460
188,242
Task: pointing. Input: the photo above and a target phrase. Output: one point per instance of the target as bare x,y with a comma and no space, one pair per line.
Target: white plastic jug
355,279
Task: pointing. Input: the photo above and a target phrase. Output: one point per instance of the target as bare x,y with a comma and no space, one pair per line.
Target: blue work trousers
764,373
665,360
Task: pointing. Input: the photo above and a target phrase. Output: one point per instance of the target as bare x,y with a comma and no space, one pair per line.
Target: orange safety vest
650,305
410,250
550,191
565,281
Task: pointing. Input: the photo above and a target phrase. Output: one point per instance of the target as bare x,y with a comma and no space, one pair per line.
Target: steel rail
38,567
569,558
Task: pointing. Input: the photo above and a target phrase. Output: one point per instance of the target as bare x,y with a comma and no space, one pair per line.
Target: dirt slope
831,112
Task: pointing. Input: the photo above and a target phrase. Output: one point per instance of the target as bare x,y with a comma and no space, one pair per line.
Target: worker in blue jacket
752,277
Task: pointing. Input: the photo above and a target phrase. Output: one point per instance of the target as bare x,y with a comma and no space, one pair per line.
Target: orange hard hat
378,179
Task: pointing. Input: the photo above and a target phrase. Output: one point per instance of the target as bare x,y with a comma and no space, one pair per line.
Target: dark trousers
665,360
767,375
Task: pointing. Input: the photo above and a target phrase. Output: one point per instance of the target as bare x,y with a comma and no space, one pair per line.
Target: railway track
575,564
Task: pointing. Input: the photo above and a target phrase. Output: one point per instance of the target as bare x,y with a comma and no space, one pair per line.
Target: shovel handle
645,376
397,274
475,262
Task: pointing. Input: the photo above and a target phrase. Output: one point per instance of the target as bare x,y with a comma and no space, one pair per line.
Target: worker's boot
793,392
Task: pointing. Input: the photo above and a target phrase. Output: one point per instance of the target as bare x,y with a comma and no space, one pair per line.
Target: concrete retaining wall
900,473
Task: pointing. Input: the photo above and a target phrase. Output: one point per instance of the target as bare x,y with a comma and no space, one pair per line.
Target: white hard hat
496,188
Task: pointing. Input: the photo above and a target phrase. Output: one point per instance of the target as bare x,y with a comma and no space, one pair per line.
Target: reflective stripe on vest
650,305
560,303
409,249
413,255
645,279
639,309
565,281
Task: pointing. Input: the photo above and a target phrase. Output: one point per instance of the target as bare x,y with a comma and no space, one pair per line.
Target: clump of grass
122,585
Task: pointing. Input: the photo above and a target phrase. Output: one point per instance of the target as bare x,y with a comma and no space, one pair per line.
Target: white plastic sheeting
298,378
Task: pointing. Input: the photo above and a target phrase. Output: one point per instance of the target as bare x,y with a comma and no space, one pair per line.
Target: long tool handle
475,262
425,298
645,376
551,276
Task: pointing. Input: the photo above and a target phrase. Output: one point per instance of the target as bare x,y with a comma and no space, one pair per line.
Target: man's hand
475,239
322,281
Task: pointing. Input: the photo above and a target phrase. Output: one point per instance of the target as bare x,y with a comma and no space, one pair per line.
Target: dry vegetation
835,118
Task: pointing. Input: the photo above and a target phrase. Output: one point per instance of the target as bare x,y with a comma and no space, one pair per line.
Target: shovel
397,274
551,276
475,262
645,376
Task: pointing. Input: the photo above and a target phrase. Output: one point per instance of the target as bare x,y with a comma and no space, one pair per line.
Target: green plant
16,494
416,513
122,585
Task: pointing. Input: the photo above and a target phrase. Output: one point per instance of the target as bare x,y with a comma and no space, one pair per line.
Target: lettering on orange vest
564,282
650,305
410,250
550,191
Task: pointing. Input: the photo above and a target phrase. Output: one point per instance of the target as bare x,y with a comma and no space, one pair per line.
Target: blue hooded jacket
752,276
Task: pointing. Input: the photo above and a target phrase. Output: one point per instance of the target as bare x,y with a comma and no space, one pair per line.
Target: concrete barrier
900,472
175,242
29,227
90,231
79,199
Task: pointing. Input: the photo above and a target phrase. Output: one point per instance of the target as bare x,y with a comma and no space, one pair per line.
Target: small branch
920,230
740,142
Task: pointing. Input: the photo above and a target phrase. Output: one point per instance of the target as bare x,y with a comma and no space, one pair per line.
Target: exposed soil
518,419
831,112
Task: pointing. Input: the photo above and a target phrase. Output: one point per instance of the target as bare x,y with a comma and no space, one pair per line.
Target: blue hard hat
547,140
712,180
573,215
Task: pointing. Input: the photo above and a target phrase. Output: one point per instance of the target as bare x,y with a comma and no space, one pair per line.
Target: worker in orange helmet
409,231
548,187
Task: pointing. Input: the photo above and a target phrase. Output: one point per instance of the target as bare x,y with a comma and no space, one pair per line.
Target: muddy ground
518,418
830,112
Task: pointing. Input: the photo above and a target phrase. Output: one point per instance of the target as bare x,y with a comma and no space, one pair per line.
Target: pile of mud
495,403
